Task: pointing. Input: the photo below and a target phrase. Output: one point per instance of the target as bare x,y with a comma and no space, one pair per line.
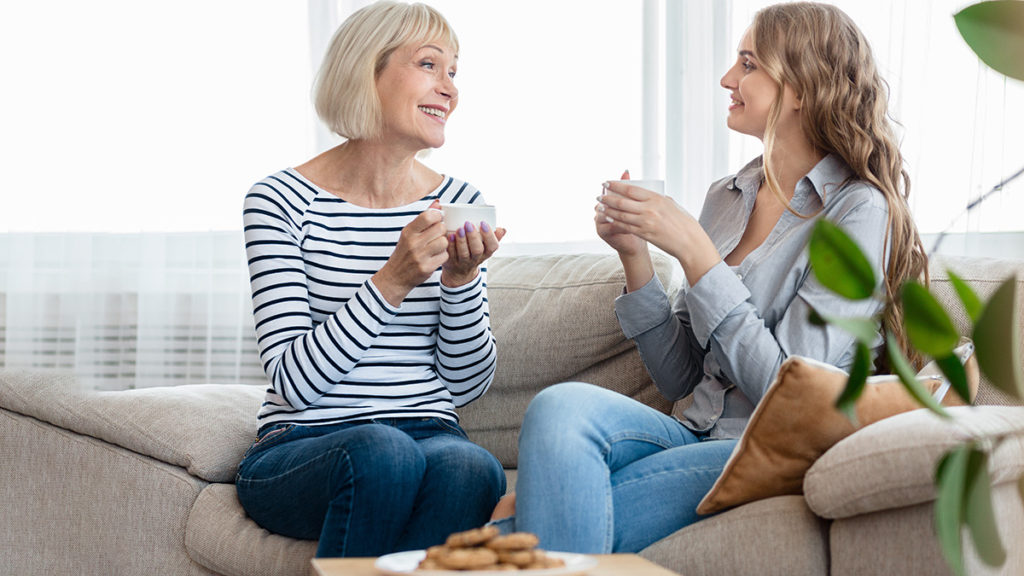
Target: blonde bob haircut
345,93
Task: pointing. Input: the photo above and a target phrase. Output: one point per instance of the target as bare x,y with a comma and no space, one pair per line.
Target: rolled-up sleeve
713,298
663,338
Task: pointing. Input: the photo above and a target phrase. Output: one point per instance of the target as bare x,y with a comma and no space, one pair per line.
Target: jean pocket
269,438
450,427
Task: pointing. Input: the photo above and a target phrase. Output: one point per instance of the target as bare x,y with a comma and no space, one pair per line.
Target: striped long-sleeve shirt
332,347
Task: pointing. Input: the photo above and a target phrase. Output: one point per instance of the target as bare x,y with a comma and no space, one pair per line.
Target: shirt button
740,276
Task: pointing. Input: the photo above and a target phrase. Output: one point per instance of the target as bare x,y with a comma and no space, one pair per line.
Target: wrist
639,269
700,256
452,280
389,287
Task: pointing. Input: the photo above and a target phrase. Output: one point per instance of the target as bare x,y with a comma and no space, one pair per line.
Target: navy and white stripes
333,348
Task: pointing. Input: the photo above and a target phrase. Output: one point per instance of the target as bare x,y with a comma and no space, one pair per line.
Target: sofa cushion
892,463
222,538
554,321
205,428
796,422
772,536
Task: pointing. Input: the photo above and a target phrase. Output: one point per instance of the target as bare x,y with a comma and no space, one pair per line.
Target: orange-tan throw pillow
796,422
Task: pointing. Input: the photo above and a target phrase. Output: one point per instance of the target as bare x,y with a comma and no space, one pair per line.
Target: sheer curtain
128,310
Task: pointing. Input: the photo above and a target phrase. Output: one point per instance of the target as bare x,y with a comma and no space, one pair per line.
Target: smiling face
417,93
753,91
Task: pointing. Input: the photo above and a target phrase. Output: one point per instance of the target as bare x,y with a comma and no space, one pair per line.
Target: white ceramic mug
456,215
657,186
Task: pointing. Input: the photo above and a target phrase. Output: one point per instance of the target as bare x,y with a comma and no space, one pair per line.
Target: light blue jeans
600,472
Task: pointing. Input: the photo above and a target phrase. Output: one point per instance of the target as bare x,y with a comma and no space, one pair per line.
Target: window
124,116
132,116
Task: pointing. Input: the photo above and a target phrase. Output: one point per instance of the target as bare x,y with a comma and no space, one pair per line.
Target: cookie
472,537
467,558
513,541
434,552
518,558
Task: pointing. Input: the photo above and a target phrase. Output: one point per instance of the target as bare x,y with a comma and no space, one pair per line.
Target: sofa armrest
204,428
891,464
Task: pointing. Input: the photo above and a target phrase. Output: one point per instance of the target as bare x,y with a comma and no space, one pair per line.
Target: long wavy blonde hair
818,51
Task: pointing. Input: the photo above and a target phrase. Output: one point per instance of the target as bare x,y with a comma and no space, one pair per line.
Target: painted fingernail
462,232
484,227
607,219
451,237
469,228
600,207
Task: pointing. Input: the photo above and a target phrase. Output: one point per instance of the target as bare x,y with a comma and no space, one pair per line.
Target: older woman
371,319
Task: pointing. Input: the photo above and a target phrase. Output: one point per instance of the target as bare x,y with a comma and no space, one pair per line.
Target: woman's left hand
467,249
662,222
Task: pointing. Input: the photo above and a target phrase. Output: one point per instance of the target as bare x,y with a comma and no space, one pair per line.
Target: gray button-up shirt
724,338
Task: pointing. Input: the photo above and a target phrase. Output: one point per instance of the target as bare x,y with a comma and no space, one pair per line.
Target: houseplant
994,30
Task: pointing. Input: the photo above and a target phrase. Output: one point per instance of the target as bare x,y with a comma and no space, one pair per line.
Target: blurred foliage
962,478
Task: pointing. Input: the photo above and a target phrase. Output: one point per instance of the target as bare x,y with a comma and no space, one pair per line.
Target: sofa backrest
553,317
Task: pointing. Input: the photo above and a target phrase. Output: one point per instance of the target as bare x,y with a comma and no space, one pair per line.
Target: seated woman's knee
556,406
379,451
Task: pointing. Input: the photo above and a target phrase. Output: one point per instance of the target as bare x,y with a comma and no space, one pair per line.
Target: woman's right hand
422,249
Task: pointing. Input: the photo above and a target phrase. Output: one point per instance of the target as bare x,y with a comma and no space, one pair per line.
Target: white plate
402,563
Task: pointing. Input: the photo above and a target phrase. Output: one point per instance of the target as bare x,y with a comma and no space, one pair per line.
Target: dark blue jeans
369,488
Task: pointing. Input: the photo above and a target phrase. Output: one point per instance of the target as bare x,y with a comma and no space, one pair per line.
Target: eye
748,66
428,64
452,74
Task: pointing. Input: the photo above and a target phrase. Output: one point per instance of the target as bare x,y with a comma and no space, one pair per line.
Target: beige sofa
140,482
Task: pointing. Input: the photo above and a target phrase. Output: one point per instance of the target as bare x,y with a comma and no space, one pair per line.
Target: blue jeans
369,488
600,472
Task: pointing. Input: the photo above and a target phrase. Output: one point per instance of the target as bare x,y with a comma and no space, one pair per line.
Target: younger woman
599,472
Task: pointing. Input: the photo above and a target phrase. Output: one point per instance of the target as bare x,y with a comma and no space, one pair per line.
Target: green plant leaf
906,374
981,520
954,371
972,304
814,318
995,32
847,401
839,264
997,340
951,480
928,326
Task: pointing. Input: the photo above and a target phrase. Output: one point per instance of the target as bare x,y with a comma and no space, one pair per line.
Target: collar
826,176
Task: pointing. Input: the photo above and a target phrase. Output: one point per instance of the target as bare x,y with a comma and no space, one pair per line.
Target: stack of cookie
484,549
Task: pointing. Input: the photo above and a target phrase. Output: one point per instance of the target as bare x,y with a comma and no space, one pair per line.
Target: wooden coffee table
607,565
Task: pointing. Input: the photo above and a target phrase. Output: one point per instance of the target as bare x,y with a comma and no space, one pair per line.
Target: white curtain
128,310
